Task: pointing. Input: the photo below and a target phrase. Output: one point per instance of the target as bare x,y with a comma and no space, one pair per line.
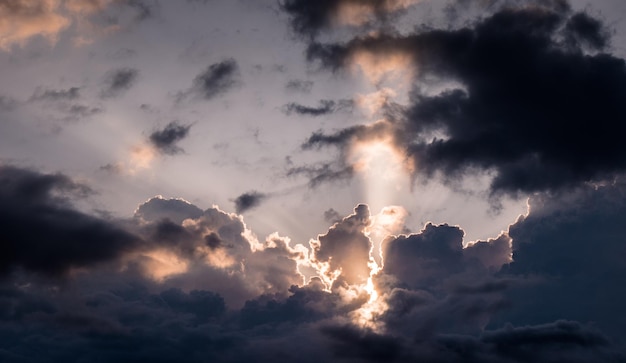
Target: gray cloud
326,107
118,81
323,173
248,200
69,94
165,140
216,80
299,85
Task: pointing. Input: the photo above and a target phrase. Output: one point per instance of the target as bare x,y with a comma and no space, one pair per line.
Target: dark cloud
248,200
538,103
165,140
324,173
216,80
43,233
308,18
566,250
123,314
69,94
326,107
118,81
298,85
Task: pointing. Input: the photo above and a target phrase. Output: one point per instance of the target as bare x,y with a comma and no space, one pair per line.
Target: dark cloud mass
248,200
183,279
118,81
43,233
527,93
165,140
538,106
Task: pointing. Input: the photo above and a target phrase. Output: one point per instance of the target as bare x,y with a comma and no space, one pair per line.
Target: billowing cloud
216,80
248,200
118,81
158,208
511,102
165,140
199,270
343,253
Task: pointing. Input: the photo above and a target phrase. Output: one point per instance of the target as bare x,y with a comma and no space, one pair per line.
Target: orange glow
161,264
35,18
378,66
141,157
354,13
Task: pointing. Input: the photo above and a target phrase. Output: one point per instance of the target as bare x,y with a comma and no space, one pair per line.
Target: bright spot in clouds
382,167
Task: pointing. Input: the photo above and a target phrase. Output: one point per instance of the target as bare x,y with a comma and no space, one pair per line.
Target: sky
300,180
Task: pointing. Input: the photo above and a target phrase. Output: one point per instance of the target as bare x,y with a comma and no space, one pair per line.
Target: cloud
216,80
309,18
69,94
506,100
343,253
323,173
565,248
24,19
326,107
248,200
158,208
237,298
298,85
118,81
44,234
27,19
7,103
165,140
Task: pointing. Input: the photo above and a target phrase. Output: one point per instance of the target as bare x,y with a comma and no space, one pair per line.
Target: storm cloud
44,234
528,95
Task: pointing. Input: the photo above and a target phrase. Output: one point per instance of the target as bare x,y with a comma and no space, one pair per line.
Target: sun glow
382,168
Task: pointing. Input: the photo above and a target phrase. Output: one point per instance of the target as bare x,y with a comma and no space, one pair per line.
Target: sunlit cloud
21,20
356,13
160,264
394,65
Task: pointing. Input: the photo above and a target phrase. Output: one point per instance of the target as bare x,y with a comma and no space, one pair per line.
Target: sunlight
161,264
367,315
382,168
